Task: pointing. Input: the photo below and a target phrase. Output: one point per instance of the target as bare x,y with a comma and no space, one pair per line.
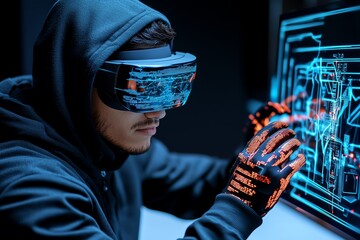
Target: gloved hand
262,171
263,115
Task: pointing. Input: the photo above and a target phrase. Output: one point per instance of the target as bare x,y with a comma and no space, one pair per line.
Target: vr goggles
146,80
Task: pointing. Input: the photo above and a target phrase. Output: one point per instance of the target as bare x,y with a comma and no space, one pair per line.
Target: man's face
129,131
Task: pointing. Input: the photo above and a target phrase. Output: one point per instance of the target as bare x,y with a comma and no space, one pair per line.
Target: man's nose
157,115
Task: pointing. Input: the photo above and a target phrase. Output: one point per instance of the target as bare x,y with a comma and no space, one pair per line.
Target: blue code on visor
147,85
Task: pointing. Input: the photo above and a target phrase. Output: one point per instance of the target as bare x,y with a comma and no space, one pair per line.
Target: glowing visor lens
147,89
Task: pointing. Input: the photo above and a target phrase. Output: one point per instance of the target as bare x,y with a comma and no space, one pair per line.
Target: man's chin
137,150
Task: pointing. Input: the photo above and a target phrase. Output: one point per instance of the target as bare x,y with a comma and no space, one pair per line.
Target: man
77,153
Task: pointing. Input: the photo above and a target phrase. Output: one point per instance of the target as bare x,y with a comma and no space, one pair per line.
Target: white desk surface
281,223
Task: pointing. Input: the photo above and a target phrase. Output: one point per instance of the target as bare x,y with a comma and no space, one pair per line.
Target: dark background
234,41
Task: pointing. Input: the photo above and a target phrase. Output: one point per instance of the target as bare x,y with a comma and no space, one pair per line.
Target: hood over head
76,39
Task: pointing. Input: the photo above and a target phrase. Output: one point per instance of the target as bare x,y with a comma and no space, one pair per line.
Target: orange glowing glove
263,115
263,169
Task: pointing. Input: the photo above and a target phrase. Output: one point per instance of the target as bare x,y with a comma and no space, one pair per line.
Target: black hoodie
60,180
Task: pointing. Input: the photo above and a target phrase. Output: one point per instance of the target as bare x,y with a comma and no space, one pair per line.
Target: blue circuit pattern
319,65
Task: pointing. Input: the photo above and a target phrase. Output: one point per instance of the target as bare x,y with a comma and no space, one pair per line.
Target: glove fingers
291,167
271,109
261,136
280,137
262,117
283,144
279,108
277,148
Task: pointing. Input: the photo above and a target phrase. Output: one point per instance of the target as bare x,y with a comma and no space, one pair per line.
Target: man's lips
148,130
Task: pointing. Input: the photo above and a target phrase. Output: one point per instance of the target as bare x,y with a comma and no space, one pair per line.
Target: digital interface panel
318,69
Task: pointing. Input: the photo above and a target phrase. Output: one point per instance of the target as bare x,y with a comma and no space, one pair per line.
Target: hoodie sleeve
227,219
189,186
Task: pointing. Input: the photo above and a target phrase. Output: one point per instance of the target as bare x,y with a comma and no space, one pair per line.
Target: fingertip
302,159
287,109
299,162
278,124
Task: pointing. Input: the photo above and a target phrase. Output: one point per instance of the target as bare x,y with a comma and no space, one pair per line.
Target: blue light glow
319,64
